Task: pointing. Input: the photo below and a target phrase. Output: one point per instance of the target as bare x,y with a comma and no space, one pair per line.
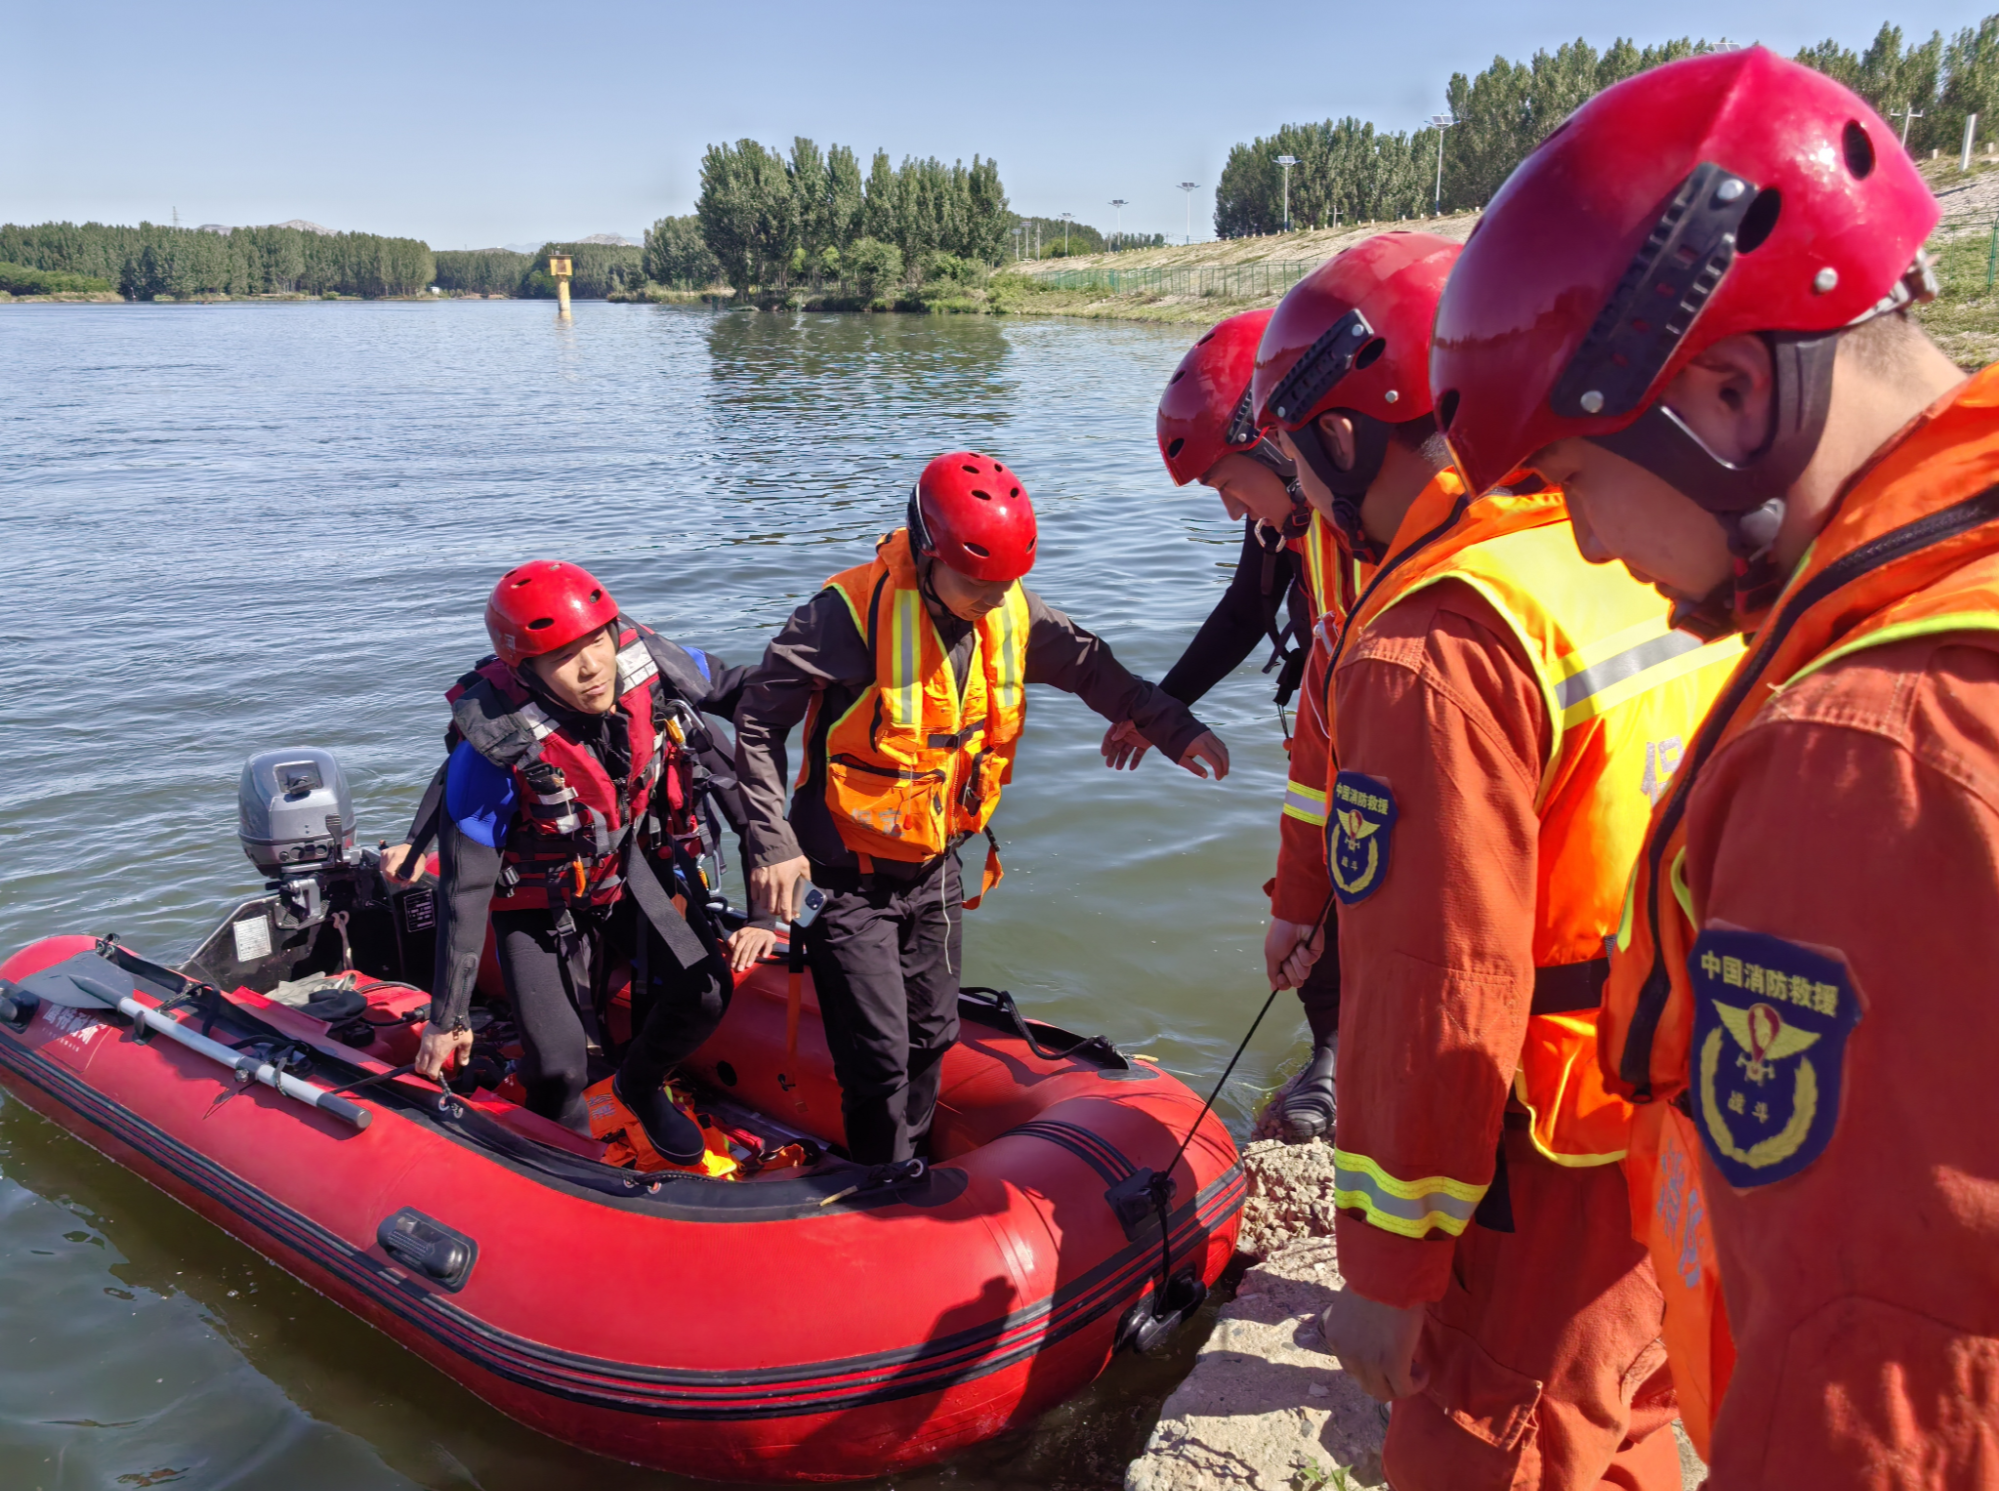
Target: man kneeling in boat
573,774
910,674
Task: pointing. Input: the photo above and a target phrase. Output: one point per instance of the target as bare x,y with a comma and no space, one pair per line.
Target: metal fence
1234,281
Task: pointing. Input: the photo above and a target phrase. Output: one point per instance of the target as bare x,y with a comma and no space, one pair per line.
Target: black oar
76,992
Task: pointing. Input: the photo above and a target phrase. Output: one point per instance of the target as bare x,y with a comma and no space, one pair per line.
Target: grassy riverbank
1194,283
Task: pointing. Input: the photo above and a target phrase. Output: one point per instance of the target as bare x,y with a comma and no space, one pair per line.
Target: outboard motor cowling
294,813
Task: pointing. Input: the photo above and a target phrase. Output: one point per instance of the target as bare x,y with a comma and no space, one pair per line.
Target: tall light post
1067,218
1190,187
1120,204
1287,162
1440,123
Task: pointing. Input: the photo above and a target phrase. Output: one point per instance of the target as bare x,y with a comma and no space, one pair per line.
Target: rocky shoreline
1265,1408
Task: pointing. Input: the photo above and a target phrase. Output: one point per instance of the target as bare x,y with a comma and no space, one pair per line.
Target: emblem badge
1771,1020
1360,830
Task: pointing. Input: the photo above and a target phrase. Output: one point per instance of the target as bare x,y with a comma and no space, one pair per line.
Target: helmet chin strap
1746,498
1349,485
1266,454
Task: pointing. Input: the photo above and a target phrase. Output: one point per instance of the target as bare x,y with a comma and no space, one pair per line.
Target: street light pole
1440,122
1067,218
1287,162
1190,187
1910,113
1120,204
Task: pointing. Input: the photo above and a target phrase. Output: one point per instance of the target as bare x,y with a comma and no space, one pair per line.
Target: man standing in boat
909,674
1498,707
574,771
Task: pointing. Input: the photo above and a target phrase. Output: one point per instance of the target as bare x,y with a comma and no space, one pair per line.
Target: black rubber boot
1308,1107
675,1137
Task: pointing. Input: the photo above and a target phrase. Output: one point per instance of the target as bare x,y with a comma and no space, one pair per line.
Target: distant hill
618,239
305,227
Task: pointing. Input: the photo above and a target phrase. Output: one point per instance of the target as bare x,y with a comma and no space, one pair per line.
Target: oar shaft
249,1066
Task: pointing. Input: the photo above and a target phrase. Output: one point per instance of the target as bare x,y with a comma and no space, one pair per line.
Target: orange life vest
1622,692
914,765
1913,549
1329,570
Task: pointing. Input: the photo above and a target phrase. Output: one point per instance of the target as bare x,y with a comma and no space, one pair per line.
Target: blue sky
470,125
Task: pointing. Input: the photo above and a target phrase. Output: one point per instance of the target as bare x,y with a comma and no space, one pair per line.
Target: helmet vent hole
1173,447
1205,339
526,580
596,596
541,623
979,549
1759,221
1370,353
1178,374
982,496
1032,542
1859,150
973,470
1013,491
1447,408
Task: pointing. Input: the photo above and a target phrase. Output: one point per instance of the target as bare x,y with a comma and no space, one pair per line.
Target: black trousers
1320,993
674,1009
885,956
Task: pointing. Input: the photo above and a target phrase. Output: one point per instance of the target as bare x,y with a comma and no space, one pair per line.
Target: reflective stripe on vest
915,764
1912,550
1622,692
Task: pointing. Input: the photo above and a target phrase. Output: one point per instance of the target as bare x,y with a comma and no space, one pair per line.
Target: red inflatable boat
815,1322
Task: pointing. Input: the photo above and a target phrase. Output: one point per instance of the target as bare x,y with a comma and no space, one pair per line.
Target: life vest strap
958,740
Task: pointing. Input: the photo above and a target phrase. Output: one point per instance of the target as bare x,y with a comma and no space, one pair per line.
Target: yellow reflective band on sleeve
1634,661
905,688
1305,804
1007,682
1411,1208
1677,878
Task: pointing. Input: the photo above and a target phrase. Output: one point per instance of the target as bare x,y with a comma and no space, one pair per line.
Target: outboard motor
296,820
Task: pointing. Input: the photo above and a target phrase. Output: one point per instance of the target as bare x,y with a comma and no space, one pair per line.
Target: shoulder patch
1771,1019
1360,831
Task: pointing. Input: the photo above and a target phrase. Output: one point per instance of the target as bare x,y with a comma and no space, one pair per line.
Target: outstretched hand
1124,747
1207,755
774,888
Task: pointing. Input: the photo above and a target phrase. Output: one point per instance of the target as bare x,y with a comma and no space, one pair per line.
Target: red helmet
1724,194
1204,413
1355,334
543,606
972,513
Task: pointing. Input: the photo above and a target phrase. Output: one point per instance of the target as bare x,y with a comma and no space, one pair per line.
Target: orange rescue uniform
1796,989
1504,713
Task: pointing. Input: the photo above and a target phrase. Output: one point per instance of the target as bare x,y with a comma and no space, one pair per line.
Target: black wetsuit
1265,583
674,1008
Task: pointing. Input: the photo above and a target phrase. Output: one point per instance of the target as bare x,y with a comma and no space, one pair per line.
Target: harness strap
680,939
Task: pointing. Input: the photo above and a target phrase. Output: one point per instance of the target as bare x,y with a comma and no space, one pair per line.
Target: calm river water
233,527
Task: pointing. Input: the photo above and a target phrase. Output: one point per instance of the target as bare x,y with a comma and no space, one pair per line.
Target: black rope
1195,1127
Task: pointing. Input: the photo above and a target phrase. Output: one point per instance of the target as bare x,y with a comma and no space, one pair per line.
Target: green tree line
597,269
772,220
1348,171
154,260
